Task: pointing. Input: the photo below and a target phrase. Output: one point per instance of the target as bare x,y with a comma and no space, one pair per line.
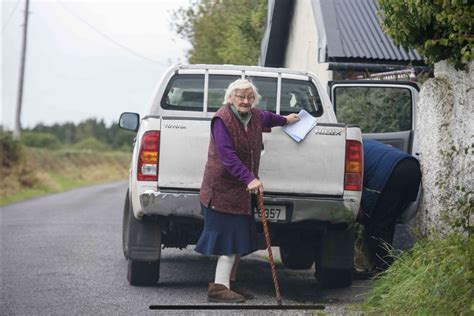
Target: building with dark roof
337,39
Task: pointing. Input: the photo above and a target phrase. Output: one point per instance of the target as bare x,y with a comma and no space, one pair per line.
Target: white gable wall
302,48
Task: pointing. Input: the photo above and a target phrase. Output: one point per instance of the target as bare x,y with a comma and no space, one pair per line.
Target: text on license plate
273,213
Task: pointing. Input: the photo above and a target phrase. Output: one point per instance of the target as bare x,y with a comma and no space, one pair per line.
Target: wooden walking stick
269,246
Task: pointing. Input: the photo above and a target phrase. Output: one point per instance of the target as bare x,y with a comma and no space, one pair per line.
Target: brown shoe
219,293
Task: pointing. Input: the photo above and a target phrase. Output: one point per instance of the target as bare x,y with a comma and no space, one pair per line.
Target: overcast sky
86,58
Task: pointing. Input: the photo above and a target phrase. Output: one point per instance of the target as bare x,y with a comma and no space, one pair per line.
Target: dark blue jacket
379,162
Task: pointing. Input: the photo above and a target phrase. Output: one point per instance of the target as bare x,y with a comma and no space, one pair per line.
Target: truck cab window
299,95
184,92
295,96
217,86
267,88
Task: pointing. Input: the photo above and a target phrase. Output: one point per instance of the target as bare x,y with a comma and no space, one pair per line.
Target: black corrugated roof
349,33
356,33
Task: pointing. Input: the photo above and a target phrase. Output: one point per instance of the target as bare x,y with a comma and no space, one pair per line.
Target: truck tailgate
183,152
315,166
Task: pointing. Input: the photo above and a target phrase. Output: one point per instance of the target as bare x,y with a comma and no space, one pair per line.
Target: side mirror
129,121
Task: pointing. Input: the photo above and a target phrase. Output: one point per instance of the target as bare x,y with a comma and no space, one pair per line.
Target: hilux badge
328,132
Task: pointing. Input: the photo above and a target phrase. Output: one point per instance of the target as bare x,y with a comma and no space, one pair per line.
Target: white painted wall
302,48
445,134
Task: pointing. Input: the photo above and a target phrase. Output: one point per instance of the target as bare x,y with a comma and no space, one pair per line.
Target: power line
4,26
107,37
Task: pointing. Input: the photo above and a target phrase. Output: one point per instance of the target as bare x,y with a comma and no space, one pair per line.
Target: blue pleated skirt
227,234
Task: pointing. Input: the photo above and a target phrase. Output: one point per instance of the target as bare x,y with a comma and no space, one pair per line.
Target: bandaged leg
224,269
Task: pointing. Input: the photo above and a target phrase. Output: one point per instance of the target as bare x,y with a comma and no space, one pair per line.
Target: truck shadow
254,275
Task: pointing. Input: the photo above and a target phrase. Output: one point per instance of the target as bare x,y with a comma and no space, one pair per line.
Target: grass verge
434,278
42,171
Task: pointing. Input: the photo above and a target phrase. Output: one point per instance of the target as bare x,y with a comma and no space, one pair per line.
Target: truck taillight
147,169
354,166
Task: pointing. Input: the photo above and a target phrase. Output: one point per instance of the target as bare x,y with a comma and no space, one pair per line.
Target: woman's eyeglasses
243,97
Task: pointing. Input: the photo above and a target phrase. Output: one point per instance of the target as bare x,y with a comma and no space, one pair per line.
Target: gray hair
241,84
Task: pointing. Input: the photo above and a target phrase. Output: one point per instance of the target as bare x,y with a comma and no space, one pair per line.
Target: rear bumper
328,209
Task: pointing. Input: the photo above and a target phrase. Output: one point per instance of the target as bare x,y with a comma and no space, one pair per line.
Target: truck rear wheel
141,241
297,257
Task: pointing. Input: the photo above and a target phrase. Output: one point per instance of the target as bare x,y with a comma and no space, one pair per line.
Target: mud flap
335,257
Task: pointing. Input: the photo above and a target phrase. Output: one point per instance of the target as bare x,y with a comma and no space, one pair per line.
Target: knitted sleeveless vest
220,190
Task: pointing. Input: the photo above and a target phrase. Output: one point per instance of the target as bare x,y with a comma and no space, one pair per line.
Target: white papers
300,129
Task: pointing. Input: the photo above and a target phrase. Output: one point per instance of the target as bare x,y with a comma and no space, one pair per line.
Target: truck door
384,110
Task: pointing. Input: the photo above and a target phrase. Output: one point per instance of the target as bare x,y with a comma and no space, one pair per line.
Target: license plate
274,213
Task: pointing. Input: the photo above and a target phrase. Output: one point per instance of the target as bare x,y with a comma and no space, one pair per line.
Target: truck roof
241,67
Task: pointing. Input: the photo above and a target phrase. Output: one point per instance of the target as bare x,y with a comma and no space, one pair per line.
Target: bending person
391,181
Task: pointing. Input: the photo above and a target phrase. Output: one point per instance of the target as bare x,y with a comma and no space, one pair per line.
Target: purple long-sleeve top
225,147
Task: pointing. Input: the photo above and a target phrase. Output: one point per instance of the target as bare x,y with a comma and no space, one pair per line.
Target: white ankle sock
223,270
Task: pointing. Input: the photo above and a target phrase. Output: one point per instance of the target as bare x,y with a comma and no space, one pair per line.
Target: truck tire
141,241
297,257
125,225
143,273
334,256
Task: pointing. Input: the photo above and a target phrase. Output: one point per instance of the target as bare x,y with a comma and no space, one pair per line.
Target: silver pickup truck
312,188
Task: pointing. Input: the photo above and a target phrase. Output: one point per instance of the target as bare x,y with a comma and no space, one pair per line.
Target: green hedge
438,29
91,143
11,150
40,140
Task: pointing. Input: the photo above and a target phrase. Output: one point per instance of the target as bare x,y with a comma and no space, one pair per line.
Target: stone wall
445,136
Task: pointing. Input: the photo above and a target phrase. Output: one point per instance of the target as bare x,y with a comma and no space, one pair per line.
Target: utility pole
17,130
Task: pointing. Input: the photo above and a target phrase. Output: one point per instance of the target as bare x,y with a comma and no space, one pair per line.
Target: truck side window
267,88
375,109
216,91
299,95
184,92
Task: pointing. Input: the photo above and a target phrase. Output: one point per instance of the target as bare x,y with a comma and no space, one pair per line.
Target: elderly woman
230,178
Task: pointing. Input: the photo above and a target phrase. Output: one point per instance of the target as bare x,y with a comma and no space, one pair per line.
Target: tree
438,29
91,128
222,31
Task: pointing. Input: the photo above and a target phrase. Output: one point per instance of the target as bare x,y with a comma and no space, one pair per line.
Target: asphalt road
61,254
